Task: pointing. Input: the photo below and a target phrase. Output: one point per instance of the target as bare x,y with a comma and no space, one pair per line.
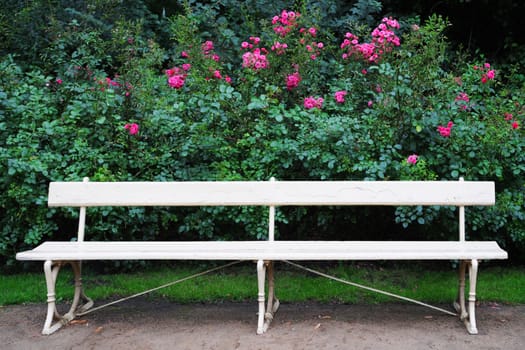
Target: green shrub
116,105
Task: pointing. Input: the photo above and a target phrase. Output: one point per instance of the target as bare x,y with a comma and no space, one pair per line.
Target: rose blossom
412,159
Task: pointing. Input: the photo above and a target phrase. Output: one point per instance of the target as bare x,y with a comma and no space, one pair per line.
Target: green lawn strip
495,284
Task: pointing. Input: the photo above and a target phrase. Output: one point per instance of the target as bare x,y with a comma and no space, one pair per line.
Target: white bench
271,194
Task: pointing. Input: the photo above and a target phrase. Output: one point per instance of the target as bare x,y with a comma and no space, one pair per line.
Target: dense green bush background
88,68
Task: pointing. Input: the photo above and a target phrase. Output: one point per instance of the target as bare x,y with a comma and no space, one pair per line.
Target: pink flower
515,125
508,116
255,60
445,130
176,81
312,102
207,47
370,103
312,31
184,54
491,74
412,159
293,80
133,128
340,96
463,100
59,81
172,71
186,66
285,22
383,40
217,74
462,97
110,82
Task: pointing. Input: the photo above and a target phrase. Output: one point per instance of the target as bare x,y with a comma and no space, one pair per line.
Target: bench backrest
272,194
266,193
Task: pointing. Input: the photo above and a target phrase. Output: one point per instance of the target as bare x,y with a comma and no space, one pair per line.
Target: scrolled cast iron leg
76,307
51,270
459,305
273,302
261,276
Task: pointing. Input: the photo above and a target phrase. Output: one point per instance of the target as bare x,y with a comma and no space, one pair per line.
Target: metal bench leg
261,276
51,270
273,302
468,316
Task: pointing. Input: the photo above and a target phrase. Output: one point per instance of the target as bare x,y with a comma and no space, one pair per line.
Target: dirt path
153,324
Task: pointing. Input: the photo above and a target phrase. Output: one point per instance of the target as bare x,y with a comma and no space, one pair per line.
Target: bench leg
51,270
261,277
266,314
273,302
468,316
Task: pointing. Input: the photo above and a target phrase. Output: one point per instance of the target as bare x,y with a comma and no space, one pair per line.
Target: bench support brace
467,316
51,270
266,314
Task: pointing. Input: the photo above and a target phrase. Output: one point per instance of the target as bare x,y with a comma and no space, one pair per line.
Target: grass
239,283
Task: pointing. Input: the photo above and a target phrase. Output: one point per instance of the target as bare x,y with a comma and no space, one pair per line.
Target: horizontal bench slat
278,193
266,250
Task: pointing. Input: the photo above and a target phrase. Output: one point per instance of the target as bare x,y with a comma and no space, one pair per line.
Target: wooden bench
271,194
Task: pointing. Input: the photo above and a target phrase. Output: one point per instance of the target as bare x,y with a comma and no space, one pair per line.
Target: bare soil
156,324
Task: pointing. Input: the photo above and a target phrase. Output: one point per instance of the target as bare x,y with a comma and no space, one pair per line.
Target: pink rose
133,128
340,96
412,159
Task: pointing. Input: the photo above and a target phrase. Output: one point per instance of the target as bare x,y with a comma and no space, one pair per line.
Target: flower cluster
312,102
207,49
486,73
293,80
285,22
132,128
256,58
107,83
462,99
177,76
312,47
383,41
445,130
279,48
340,96
514,123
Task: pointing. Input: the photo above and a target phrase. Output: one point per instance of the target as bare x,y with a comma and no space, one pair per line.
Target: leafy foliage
223,92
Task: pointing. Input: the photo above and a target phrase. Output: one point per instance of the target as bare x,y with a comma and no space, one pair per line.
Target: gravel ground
156,324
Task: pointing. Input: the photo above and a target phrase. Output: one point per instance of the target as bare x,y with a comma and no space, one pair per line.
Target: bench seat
266,250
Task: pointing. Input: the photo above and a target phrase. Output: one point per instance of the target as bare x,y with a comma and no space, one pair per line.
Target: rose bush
289,99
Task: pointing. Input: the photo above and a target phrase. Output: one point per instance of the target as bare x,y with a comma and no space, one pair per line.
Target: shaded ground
154,324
